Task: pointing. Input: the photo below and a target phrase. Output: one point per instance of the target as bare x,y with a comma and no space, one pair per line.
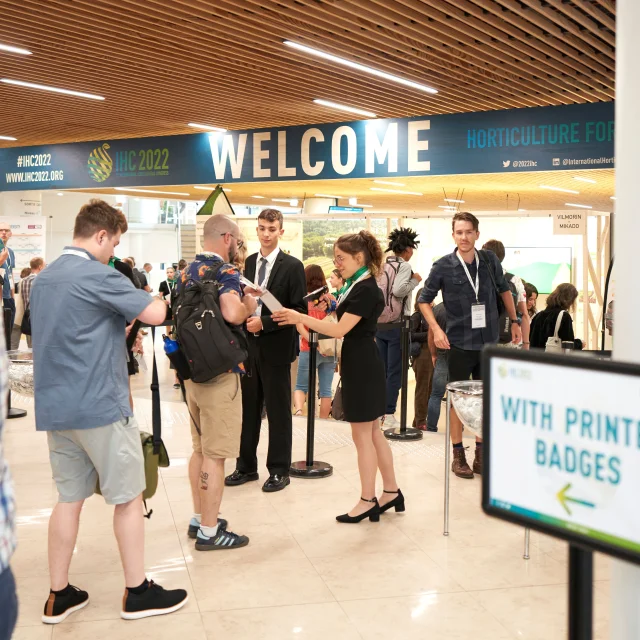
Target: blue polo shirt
7,270
79,311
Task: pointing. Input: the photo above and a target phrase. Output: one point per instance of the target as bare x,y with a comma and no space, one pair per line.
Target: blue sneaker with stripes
222,540
194,526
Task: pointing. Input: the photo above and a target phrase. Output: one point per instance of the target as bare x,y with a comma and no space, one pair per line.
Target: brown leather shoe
477,461
459,465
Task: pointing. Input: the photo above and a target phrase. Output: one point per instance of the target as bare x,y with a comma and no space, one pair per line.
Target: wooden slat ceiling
488,192
163,63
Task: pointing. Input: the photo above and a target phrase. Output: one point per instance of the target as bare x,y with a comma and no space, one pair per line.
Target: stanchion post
310,468
580,593
403,432
527,540
12,412
447,464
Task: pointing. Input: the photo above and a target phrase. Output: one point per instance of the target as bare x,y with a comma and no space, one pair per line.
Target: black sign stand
580,593
12,412
311,468
403,432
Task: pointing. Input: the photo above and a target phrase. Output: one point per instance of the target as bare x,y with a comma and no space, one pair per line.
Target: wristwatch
516,321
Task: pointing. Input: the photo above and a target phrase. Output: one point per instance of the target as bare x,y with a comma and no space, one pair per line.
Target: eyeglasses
240,242
338,260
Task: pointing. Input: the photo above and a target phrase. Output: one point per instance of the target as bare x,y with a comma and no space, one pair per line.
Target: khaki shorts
112,453
217,407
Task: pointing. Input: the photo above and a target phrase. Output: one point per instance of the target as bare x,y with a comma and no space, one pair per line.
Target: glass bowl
21,372
466,398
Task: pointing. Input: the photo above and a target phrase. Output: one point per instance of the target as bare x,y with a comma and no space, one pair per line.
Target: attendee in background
16,333
166,292
82,402
422,367
359,258
325,365
519,296
440,359
470,286
35,267
147,268
134,274
336,281
142,276
182,265
240,258
8,594
272,349
399,282
7,265
543,325
532,299
215,406
608,317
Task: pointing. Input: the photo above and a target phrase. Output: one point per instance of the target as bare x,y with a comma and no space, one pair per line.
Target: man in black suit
272,349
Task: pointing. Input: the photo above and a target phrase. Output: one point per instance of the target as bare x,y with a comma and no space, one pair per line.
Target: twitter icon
506,163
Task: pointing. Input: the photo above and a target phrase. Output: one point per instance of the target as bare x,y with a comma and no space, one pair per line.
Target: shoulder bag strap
558,323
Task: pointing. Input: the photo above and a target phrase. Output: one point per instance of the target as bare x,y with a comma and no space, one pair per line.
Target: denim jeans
9,604
440,379
390,347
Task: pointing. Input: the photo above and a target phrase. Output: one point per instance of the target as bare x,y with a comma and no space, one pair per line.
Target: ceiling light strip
343,107
360,67
207,127
393,184
585,180
10,49
43,87
7,138
579,206
544,186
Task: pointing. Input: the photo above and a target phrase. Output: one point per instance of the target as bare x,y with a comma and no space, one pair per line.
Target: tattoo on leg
204,485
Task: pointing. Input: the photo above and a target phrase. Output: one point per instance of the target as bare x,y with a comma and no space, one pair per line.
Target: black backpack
504,322
210,345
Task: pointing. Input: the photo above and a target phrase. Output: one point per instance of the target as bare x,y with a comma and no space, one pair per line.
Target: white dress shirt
271,259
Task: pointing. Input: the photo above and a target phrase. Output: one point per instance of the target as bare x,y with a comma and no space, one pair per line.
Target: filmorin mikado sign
534,139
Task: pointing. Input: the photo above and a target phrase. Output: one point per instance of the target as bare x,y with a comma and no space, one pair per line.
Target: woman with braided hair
397,282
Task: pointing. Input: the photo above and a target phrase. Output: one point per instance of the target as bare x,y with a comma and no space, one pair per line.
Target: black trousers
272,385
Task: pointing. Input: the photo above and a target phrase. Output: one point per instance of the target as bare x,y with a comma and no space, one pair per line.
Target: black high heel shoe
397,502
373,514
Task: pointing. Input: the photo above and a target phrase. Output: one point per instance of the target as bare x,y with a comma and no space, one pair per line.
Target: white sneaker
390,422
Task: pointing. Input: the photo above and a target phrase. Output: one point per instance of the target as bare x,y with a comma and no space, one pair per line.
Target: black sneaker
222,540
194,525
155,601
60,605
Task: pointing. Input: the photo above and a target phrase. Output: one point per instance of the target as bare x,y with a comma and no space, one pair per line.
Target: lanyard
73,252
476,287
342,296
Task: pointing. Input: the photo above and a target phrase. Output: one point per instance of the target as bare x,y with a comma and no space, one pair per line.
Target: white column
625,578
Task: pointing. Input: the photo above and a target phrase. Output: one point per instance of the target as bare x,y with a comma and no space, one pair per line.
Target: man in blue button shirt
80,308
7,265
470,282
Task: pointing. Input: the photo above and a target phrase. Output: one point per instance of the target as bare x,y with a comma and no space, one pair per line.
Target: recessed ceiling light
43,87
10,49
453,200
580,206
324,195
406,193
261,197
393,184
164,193
342,107
208,127
59,193
585,180
521,209
612,197
442,206
292,201
360,67
7,138
543,186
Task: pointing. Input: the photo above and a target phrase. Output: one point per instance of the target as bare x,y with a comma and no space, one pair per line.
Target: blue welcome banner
534,139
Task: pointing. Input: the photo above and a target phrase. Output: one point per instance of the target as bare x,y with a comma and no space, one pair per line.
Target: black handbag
25,325
337,410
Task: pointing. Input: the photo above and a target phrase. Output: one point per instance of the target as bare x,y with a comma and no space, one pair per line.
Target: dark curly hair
402,239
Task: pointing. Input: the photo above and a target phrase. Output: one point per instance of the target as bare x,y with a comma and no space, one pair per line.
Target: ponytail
365,242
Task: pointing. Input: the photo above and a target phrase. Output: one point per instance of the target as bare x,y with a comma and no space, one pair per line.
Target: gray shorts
112,453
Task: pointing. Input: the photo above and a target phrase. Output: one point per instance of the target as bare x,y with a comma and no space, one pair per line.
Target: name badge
478,316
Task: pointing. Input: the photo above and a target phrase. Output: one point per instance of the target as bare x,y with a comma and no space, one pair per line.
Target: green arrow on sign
564,498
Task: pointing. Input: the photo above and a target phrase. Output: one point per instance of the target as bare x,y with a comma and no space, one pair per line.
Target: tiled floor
303,575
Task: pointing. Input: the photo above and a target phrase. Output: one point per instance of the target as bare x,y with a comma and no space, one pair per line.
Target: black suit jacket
288,284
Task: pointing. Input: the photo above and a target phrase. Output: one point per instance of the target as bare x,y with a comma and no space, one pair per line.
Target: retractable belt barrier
310,468
12,412
402,432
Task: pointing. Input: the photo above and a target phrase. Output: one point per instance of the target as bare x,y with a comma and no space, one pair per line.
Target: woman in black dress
359,259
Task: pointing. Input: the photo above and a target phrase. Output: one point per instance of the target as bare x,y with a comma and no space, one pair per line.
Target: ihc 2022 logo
100,163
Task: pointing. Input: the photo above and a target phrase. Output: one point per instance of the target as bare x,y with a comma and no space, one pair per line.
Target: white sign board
569,223
28,239
564,449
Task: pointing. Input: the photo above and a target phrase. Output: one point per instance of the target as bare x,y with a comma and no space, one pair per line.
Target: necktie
262,273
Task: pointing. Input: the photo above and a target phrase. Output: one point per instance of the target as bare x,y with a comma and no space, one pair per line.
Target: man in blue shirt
470,282
7,265
80,308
